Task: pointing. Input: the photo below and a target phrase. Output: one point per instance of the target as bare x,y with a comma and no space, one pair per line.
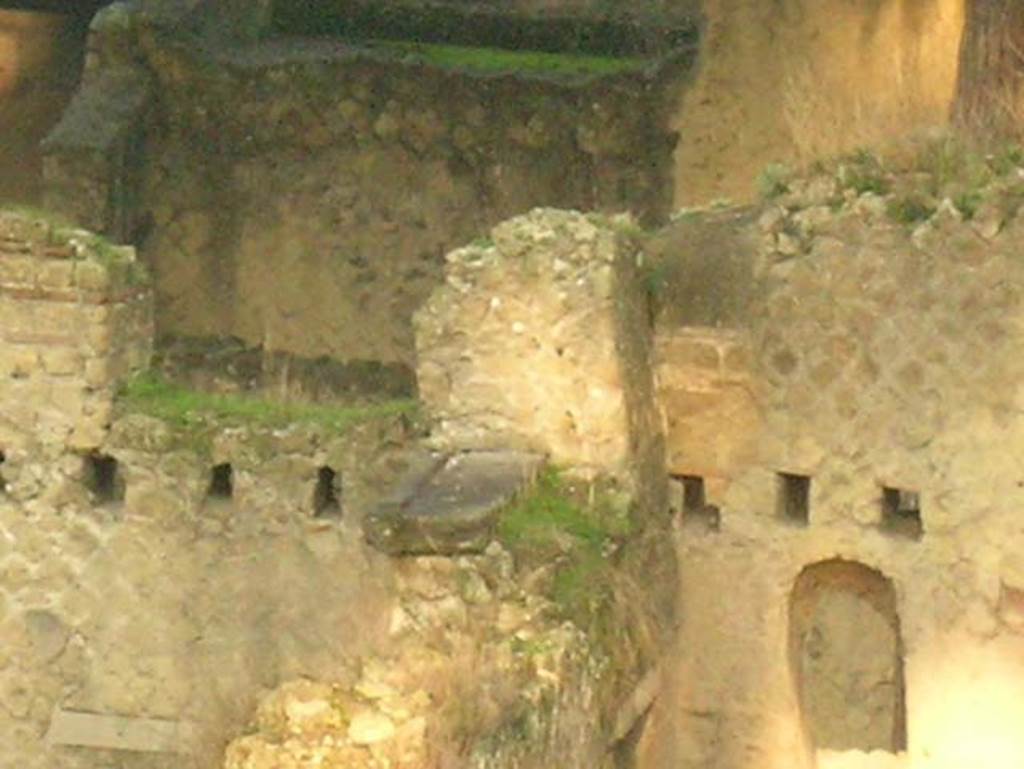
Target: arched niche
846,655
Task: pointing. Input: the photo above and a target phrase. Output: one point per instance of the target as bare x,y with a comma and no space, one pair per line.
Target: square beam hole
327,494
3,478
103,479
901,512
691,500
793,501
221,482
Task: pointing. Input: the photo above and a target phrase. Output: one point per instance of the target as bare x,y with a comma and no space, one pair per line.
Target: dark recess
327,494
695,503
103,479
478,27
221,482
901,512
794,498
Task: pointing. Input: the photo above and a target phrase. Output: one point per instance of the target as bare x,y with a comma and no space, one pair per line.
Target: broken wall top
76,320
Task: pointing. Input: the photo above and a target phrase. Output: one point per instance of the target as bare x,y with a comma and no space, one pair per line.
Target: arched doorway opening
846,655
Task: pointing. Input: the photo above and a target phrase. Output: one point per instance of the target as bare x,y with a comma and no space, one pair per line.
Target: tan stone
369,727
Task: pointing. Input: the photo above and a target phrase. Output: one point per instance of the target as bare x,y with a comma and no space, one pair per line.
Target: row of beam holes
103,480
901,508
326,493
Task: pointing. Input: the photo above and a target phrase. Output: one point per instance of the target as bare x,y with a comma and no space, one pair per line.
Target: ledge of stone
446,505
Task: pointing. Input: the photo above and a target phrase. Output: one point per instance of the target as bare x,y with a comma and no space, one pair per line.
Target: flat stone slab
447,505
71,728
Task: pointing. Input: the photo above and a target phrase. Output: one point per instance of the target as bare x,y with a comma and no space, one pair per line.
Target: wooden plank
72,728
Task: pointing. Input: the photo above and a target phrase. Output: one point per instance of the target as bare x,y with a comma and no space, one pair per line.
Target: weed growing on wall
580,530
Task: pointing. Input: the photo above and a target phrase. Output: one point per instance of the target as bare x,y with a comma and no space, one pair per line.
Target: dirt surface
791,80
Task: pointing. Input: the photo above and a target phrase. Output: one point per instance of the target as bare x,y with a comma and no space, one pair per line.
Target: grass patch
484,59
581,531
181,407
551,519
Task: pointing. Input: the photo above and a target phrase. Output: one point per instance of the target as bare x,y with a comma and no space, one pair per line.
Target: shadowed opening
793,498
221,482
901,512
103,479
327,494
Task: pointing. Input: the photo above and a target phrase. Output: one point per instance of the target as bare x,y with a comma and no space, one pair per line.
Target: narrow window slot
901,512
327,494
794,498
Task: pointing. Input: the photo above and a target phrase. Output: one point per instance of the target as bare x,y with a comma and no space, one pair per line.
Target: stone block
61,361
451,507
71,728
55,273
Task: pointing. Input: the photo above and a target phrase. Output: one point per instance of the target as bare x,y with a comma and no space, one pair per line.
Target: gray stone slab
71,728
450,505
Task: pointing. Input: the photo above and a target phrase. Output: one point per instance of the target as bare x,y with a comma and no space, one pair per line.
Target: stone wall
792,81
519,348
133,583
76,319
177,598
344,173
348,170
858,404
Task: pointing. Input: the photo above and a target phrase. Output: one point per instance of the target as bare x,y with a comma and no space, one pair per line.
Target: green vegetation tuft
910,209
151,394
501,60
551,520
773,181
580,534
863,172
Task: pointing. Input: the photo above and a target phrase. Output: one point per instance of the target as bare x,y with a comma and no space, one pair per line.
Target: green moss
501,60
196,411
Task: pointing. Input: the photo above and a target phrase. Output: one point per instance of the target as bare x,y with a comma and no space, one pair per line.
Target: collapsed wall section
520,347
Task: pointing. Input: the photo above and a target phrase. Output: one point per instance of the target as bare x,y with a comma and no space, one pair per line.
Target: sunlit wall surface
793,80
